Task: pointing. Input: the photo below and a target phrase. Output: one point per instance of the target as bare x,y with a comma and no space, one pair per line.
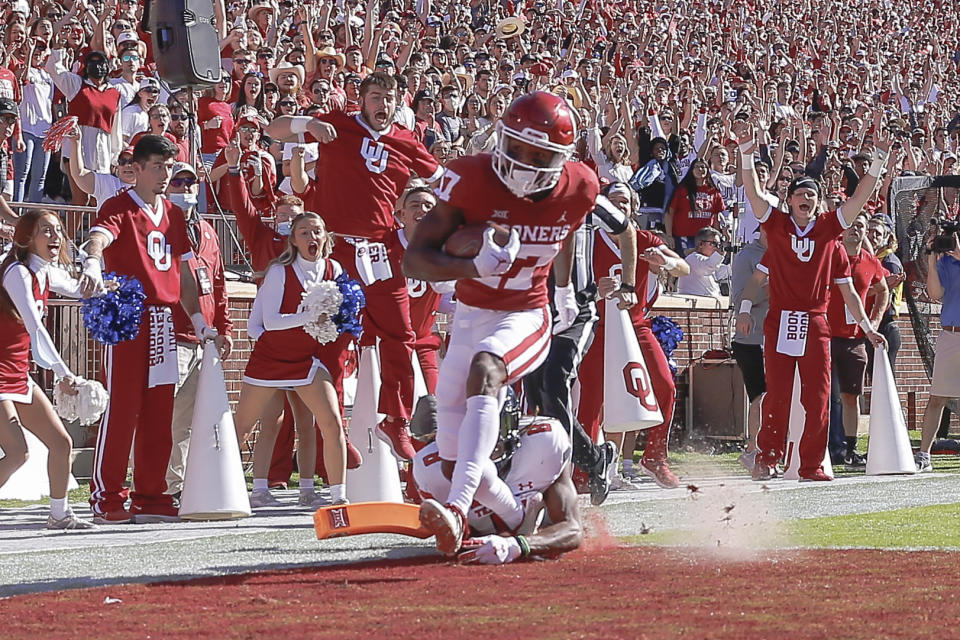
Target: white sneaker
619,483
634,475
312,499
263,498
748,460
923,462
69,521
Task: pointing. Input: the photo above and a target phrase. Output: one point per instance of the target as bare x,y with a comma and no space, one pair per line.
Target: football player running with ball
502,326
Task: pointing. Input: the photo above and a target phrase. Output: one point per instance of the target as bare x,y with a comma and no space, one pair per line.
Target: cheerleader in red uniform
29,273
285,356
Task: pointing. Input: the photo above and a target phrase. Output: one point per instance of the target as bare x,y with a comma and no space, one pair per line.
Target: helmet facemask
526,179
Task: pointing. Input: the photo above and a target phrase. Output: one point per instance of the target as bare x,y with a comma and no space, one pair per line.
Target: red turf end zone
622,592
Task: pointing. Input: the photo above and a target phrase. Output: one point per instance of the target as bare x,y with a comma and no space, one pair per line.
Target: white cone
888,451
795,431
628,400
214,487
377,479
31,482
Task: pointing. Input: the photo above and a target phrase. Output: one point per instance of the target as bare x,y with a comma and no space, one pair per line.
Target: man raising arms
803,261
363,168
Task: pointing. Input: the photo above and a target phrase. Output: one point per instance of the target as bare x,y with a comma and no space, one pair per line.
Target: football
467,240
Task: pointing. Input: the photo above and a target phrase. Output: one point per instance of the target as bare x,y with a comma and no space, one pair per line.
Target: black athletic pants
547,390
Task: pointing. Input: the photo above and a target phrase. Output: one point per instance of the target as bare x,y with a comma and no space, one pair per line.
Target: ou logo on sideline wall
159,250
637,380
375,155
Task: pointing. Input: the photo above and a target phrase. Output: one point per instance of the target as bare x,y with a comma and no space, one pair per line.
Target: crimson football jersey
424,300
470,185
362,173
866,271
800,262
607,262
146,246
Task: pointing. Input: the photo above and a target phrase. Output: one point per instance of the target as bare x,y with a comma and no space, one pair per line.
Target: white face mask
185,201
283,228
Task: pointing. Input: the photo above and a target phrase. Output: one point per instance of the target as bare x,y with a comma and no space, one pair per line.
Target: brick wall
704,329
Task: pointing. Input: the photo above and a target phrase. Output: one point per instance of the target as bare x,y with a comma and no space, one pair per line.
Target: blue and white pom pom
669,334
86,406
348,318
321,302
116,315
333,308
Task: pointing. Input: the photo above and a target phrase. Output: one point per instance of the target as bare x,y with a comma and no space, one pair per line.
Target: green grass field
931,527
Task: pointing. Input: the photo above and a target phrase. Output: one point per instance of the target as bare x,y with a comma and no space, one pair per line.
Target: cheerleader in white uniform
285,356
30,271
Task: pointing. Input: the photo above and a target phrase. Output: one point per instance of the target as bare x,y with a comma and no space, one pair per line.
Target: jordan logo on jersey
803,247
375,155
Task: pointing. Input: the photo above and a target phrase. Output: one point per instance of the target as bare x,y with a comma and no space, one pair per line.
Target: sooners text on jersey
470,185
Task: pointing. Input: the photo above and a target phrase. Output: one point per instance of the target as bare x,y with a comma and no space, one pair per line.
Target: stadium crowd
668,98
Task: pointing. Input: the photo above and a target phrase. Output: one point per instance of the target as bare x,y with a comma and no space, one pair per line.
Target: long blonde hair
290,254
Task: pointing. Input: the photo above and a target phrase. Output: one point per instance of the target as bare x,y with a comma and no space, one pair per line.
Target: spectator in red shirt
696,203
252,94
215,119
256,165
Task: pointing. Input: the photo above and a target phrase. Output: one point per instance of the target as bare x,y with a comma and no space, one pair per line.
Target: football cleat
600,475
446,523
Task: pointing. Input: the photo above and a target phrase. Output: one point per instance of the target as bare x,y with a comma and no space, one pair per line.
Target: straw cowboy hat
509,28
330,52
285,67
261,5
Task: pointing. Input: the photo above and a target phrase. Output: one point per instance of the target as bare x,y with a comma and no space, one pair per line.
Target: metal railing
77,221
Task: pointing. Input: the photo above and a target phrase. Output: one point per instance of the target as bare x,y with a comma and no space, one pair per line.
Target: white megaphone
795,432
376,479
31,482
214,487
629,403
888,451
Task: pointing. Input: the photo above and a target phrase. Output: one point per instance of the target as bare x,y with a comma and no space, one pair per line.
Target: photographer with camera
943,285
